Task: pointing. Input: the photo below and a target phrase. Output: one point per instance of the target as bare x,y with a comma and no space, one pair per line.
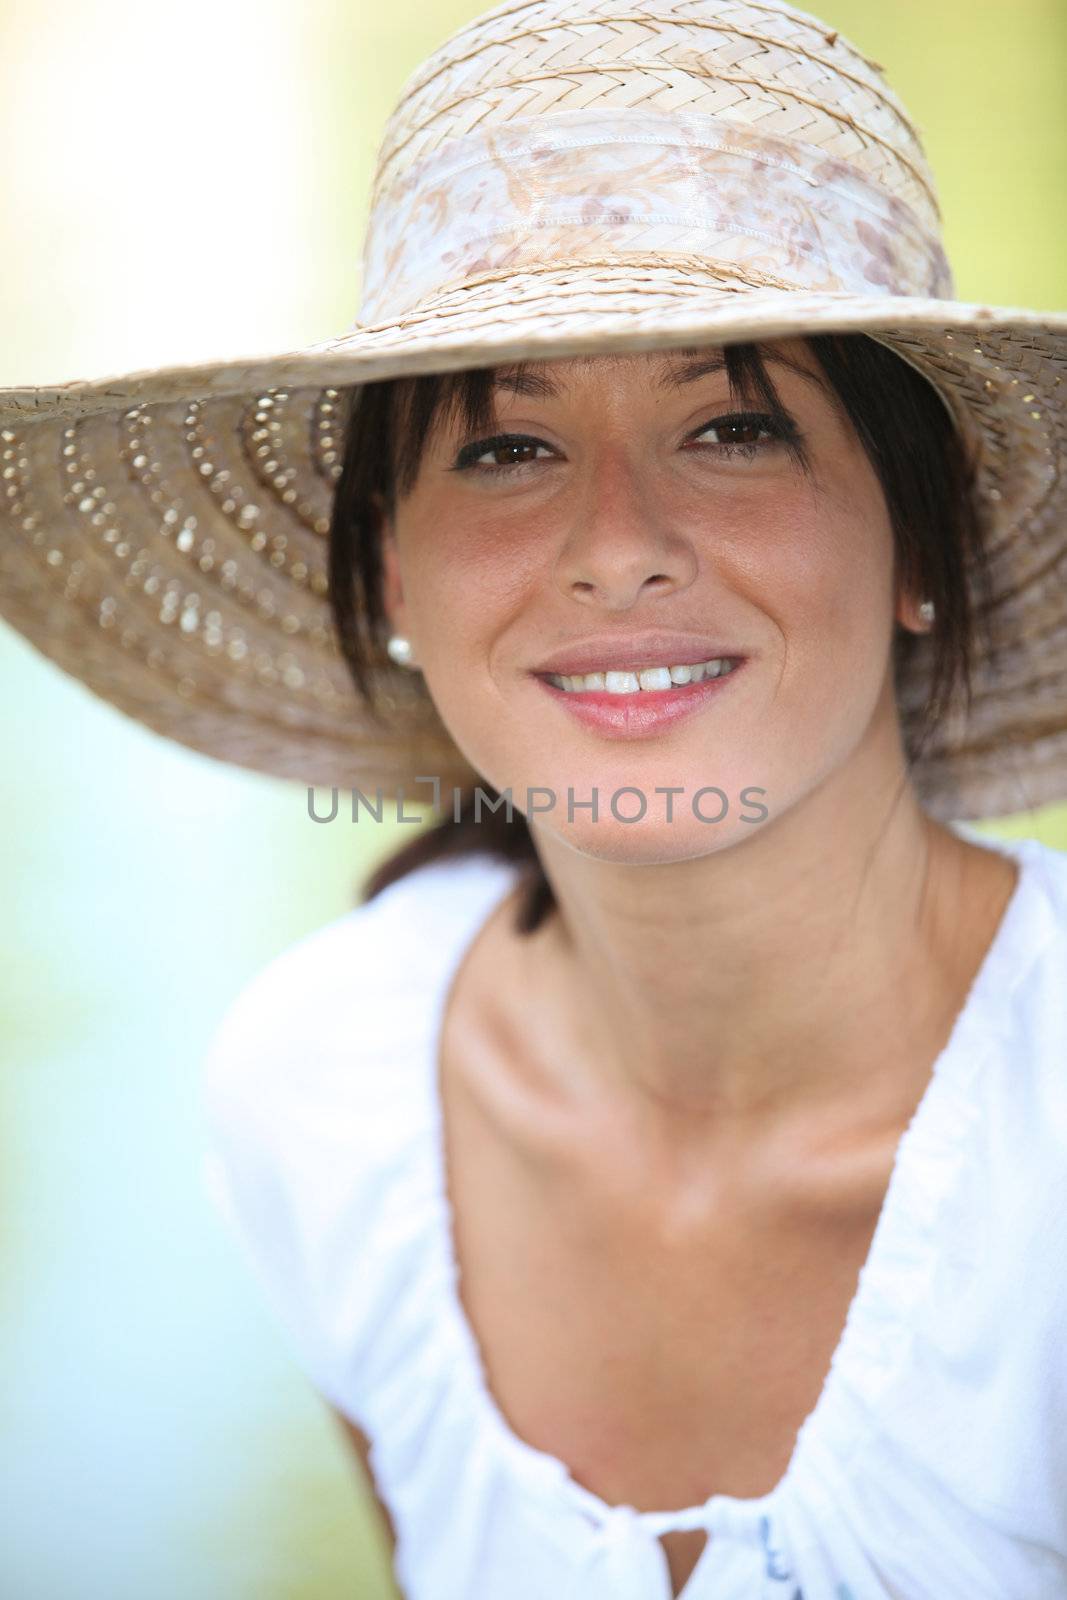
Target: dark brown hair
911,441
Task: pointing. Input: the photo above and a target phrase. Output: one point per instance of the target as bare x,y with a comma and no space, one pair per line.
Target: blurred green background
182,182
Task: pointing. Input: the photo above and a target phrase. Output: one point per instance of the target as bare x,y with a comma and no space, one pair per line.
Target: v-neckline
927,1163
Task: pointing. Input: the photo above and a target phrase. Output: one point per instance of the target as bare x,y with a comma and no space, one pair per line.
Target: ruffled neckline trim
930,1162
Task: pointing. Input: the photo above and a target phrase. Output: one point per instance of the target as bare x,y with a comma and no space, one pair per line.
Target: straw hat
560,177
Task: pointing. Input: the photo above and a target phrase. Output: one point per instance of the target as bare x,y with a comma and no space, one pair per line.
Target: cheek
461,605
469,588
828,584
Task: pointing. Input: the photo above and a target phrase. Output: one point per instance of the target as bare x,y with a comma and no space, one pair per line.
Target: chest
663,1351
660,1362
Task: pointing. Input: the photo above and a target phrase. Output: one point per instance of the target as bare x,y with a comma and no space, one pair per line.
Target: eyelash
780,429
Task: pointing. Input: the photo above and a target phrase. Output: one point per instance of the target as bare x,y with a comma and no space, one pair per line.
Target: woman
662,1181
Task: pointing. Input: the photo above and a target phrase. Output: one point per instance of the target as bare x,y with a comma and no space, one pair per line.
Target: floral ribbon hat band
556,179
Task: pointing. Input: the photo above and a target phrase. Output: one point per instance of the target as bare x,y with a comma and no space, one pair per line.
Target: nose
623,544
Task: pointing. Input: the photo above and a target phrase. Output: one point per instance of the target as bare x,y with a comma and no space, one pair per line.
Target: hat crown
747,136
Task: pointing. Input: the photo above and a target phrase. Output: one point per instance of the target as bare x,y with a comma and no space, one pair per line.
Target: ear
908,615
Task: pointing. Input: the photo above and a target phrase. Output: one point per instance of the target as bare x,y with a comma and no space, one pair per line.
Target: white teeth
647,678
620,682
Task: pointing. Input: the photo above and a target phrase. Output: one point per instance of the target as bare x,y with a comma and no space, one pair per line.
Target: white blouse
934,1465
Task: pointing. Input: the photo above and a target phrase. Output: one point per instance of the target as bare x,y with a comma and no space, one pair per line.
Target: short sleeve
254,1163
321,1146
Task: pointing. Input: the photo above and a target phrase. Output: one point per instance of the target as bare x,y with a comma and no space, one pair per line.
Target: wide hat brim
165,532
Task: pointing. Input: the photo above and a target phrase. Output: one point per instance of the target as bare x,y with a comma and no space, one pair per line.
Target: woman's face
622,511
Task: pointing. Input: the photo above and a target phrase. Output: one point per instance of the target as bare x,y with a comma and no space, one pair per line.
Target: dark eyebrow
686,371
691,366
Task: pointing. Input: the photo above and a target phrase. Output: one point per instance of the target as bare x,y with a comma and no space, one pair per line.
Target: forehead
664,370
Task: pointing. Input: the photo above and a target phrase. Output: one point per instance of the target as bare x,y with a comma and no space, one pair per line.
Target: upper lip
611,653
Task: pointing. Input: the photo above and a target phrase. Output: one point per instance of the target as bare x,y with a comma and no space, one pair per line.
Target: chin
652,842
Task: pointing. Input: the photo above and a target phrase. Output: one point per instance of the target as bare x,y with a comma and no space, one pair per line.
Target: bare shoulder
973,886
503,1035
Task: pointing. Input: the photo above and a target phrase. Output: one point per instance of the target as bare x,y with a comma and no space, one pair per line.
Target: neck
817,965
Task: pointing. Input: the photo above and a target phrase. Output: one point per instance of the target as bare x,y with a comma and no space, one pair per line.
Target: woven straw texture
556,179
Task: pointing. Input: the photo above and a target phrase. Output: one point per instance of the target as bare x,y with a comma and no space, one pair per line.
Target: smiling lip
612,653
645,712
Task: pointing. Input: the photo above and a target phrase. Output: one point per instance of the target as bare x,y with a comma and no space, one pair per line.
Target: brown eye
513,454
731,430
741,433
511,450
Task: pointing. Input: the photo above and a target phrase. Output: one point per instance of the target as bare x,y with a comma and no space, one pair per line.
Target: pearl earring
399,650
926,611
